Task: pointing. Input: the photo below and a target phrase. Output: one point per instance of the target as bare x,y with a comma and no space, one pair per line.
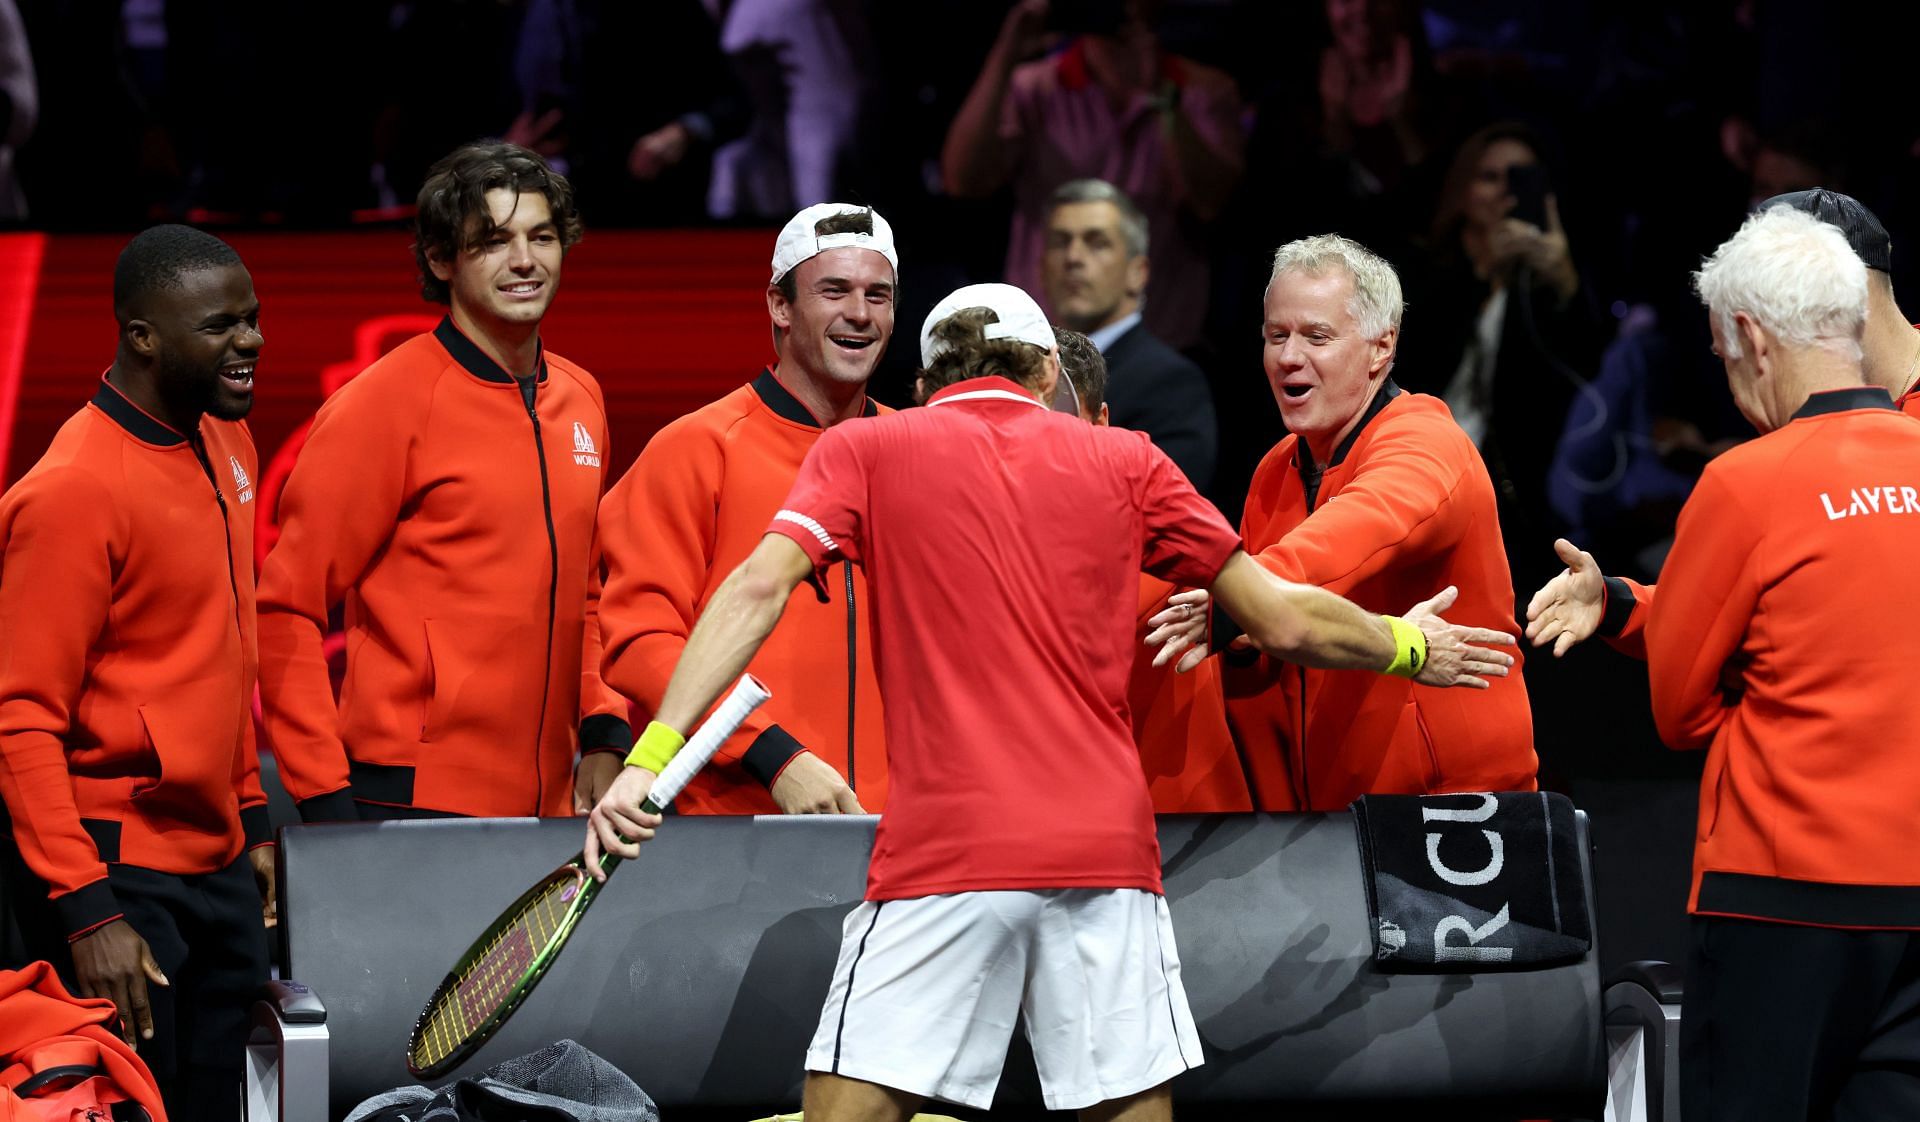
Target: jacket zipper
529,388
226,526
852,679
1311,491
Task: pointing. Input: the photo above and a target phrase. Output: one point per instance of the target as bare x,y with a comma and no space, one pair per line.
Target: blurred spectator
784,134
1095,270
547,74
1112,104
19,106
1499,324
432,109
1370,126
1796,157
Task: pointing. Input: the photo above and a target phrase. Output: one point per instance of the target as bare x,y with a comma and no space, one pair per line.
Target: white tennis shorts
925,993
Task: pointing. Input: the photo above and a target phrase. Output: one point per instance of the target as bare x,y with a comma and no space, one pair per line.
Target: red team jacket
456,520
1180,725
1404,509
694,505
1769,645
127,671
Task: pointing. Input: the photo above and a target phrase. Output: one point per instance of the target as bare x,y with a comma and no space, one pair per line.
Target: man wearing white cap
697,501
1016,868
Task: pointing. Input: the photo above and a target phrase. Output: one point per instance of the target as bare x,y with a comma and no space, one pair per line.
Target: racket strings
477,991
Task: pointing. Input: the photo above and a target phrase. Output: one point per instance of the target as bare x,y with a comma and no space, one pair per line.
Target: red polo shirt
1002,544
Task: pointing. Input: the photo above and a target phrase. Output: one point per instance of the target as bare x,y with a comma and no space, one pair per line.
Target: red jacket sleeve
339,508
63,543
1400,507
603,712
1709,588
658,526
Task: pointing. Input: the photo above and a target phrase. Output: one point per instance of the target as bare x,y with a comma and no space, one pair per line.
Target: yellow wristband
1409,648
655,747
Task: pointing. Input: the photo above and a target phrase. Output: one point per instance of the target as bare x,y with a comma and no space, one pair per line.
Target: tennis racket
510,957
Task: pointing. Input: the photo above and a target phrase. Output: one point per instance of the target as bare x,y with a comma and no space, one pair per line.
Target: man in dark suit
1095,270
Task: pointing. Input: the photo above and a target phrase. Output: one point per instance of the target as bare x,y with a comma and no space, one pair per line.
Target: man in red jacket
447,496
1768,645
1379,496
696,502
126,735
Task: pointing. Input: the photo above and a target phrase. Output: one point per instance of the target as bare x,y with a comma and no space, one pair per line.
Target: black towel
1472,882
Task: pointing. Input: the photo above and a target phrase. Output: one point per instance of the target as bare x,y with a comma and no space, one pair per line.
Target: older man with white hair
1769,645
1375,495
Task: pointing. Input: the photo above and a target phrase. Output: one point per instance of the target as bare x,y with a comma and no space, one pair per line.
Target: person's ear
1382,356
141,338
779,309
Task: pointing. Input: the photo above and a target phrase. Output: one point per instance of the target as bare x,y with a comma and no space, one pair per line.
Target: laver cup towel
1472,882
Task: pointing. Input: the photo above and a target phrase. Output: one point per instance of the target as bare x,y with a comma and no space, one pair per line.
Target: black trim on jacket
132,418
604,732
468,354
391,784
1815,903
788,407
1841,401
1620,603
769,752
334,806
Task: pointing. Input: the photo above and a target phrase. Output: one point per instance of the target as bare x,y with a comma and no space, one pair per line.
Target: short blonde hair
1376,304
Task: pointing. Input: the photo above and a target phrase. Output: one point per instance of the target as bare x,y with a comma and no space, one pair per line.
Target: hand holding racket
511,956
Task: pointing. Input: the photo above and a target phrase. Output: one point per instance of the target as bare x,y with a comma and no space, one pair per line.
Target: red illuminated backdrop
667,320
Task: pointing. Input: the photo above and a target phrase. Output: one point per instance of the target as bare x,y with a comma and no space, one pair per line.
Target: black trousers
207,935
1787,1022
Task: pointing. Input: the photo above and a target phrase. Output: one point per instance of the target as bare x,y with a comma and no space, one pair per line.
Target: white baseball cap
1020,318
798,242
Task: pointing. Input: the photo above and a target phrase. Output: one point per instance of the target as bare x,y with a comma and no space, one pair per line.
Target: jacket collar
468,354
1304,456
1840,401
139,424
788,407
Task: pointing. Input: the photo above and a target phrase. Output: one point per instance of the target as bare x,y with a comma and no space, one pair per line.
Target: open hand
1567,609
1458,655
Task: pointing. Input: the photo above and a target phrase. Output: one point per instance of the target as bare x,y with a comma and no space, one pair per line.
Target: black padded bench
701,970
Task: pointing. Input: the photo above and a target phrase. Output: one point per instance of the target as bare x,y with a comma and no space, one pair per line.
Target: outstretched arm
1313,627
741,615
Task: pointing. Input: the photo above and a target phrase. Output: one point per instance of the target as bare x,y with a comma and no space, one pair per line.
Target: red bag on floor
61,1061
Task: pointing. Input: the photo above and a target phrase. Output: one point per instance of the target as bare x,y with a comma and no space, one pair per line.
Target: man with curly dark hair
448,496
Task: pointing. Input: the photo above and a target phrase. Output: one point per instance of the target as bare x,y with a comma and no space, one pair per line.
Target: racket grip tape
748,694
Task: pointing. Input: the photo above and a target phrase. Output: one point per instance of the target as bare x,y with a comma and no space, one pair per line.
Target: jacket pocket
443,679
1712,783
194,737
1429,754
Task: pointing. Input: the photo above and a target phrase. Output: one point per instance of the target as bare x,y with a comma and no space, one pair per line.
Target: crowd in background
1548,307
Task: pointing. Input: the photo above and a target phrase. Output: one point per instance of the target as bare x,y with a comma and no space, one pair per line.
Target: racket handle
748,694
